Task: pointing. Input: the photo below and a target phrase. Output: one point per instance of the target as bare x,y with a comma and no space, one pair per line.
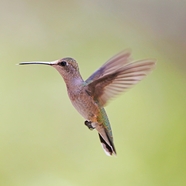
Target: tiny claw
89,125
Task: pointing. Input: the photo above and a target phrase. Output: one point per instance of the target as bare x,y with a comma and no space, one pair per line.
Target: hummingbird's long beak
38,63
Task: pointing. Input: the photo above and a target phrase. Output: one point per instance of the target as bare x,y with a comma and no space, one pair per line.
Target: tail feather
106,141
105,138
108,148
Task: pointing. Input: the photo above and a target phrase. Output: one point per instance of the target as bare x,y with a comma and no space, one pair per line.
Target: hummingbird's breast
84,103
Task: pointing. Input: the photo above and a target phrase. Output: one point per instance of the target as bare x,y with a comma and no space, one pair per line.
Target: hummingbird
89,97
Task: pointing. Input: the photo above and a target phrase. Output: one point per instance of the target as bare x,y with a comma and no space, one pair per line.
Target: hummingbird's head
67,67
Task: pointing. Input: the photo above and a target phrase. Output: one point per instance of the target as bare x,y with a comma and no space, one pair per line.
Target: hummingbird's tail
109,149
106,142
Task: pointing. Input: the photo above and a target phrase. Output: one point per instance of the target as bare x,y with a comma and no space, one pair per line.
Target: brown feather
110,85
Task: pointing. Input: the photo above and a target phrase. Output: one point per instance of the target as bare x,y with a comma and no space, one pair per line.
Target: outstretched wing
117,80
111,66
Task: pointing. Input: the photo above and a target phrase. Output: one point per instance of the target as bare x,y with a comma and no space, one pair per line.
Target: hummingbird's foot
89,125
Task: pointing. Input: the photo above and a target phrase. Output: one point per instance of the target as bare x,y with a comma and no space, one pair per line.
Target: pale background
43,140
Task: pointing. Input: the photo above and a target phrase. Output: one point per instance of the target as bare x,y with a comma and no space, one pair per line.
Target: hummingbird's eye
63,63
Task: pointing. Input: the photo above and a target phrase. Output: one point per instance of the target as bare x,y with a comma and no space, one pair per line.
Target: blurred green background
43,140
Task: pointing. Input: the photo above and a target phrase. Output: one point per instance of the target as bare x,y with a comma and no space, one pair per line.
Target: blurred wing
110,85
111,66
